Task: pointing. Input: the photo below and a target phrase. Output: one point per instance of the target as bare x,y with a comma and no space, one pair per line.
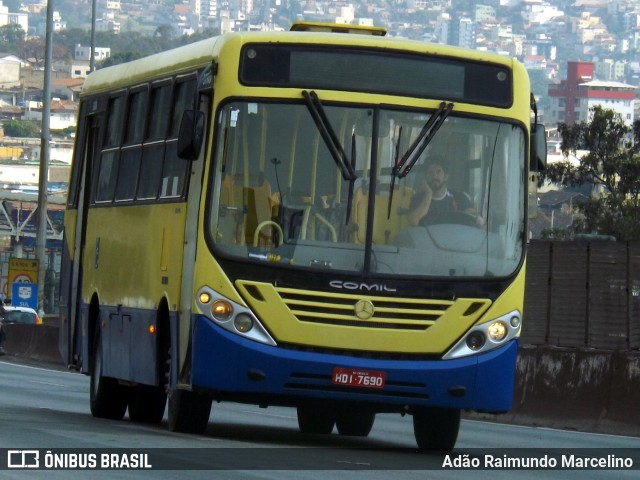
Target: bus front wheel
357,423
436,428
188,411
147,404
315,420
107,398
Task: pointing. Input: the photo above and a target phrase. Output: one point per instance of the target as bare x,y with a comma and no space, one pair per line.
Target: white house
7,18
63,113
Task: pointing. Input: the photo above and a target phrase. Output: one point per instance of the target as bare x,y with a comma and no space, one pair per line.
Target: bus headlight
497,331
231,316
487,336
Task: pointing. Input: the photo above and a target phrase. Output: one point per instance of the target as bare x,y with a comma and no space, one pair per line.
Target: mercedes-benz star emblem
364,309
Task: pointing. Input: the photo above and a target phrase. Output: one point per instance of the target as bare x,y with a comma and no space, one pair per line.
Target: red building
572,98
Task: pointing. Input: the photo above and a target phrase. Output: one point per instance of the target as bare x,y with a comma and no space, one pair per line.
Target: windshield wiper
401,168
329,135
396,156
351,182
427,133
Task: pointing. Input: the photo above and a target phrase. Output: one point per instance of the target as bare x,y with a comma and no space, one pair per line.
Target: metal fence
583,294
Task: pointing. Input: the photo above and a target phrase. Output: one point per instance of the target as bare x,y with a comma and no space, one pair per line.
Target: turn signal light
221,309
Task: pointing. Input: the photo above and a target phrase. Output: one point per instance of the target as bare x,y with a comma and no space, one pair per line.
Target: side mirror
538,154
537,163
191,134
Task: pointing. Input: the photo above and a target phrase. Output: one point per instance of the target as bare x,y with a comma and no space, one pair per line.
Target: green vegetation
11,37
21,128
611,167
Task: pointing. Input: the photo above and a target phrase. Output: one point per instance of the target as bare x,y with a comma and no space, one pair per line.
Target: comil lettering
369,287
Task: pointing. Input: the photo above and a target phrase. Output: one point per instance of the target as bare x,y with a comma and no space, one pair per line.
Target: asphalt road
42,409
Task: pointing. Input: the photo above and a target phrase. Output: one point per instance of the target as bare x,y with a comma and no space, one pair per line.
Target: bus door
71,346
190,147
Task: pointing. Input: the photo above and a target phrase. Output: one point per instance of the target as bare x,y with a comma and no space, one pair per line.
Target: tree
21,128
11,36
71,37
611,167
33,50
119,58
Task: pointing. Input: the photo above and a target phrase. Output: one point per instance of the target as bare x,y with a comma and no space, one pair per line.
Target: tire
357,423
315,420
436,428
188,411
107,398
147,404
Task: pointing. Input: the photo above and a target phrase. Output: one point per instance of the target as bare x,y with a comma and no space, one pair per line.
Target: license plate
358,378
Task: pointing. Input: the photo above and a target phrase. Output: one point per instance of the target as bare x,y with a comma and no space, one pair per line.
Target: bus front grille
362,310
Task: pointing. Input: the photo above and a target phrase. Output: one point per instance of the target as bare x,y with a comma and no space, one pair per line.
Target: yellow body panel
133,255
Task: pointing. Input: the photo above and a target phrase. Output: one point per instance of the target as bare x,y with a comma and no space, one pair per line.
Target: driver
433,200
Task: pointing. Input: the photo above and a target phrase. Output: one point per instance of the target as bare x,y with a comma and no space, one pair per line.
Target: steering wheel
457,217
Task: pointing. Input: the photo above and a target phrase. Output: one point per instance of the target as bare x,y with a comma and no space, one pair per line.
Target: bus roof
199,54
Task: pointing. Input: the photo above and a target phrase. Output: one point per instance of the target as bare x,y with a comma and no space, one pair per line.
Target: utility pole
43,179
92,49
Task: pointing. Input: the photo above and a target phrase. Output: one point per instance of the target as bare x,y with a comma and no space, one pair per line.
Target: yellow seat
250,202
386,225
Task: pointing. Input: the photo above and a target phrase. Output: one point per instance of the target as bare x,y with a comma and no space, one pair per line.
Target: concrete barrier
37,342
576,389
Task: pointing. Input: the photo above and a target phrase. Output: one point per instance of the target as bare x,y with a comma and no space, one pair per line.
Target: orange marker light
221,309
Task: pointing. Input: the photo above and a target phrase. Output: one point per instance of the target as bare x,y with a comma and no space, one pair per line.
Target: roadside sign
22,270
24,295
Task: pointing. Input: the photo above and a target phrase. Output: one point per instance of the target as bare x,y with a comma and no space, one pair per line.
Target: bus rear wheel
188,411
107,398
436,428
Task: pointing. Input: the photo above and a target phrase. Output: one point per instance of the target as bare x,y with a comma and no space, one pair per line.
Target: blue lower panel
227,363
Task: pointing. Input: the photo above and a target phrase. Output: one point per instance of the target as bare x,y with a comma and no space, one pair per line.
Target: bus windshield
286,191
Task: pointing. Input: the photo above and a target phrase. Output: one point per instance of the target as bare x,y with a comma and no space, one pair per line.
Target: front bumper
229,366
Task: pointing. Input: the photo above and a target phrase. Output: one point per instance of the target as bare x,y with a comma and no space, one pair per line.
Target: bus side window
115,121
132,151
153,150
174,172
110,156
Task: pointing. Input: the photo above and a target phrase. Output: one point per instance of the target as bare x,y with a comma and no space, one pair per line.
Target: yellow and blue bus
237,228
